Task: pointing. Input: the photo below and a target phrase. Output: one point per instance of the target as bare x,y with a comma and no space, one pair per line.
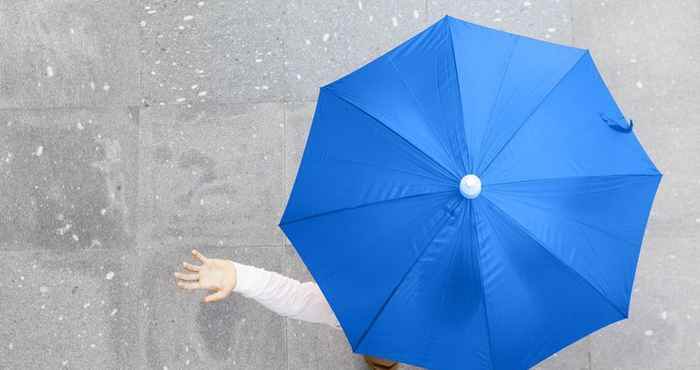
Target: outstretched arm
281,294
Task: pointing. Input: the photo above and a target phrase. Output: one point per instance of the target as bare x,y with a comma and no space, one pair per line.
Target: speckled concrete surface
134,130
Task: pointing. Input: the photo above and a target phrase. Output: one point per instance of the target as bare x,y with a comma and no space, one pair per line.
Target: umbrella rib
461,105
369,164
452,176
504,145
567,266
500,88
431,337
364,205
585,224
415,262
573,177
477,255
415,100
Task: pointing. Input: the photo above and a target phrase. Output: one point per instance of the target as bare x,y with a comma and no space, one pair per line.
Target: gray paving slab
650,44
662,330
68,53
548,20
180,331
212,173
210,50
64,309
327,39
68,178
575,356
297,117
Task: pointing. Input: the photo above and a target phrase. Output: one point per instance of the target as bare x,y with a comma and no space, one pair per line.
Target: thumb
219,295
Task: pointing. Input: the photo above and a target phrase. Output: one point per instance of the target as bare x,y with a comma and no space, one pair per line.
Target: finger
191,267
199,256
221,294
188,285
189,277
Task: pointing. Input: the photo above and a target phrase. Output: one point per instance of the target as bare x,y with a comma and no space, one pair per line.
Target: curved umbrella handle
617,124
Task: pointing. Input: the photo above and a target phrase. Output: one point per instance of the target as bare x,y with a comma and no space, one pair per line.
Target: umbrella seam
431,337
477,255
536,240
572,177
439,228
363,205
369,164
415,100
459,92
522,124
431,159
500,89
579,222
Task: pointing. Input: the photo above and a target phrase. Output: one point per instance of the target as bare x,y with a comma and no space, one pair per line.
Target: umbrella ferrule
470,186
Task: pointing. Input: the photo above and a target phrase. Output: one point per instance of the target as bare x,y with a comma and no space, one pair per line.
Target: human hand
213,274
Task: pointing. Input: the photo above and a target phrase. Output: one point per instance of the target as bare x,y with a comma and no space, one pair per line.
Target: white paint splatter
92,85
307,42
551,29
86,305
499,19
180,100
639,84
49,71
359,4
109,276
43,289
394,21
633,60
527,4
416,14
188,18
39,151
202,93
200,4
649,333
114,312
106,87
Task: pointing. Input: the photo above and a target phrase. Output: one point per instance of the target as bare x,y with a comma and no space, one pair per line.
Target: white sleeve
283,295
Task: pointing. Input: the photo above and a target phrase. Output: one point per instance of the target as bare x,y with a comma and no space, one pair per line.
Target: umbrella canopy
471,199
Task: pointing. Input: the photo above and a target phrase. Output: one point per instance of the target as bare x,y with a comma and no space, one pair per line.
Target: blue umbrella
471,199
